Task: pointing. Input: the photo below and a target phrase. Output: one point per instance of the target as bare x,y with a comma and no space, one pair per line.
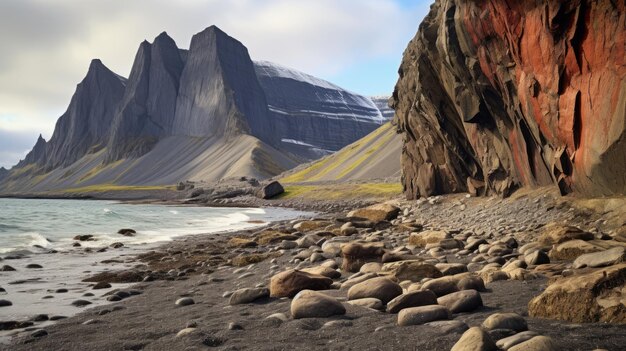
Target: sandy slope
375,156
172,160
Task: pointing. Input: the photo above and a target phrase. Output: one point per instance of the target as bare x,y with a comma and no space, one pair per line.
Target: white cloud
47,46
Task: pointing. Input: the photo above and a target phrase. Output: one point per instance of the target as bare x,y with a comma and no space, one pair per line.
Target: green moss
343,191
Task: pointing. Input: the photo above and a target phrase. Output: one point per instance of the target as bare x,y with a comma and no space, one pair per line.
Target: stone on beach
5,303
376,213
356,255
601,259
290,282
411,299
475,339
185,301
381,288
512,321
270,190
461,301
422,314
313,304
369,302
248,295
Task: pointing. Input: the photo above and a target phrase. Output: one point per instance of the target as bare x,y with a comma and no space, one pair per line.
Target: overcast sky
46,46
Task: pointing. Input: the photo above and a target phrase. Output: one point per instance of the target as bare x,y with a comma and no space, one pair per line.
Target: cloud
47,45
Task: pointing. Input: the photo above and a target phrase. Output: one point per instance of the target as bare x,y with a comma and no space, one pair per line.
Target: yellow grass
343,191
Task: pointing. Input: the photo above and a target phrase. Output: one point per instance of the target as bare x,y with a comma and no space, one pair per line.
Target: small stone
513,340
5,303
536,258
411,299
248,295
7,268
81,303
101,285
184,332
461,301
538,343
279,316
422,314
511,321
381,288
341,323
39,333
289,283
448,327
34,266
601,259
312,304
368,302
185,301
127,232
475,339
40,318
234,326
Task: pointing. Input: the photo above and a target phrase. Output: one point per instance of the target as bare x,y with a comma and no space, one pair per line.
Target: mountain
86,124
376,156
3,173
496,95
311,116
200,114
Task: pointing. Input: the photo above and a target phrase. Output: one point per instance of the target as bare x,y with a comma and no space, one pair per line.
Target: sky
47,46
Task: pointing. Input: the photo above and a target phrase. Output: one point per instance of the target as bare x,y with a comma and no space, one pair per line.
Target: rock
116,245
536,257
601,259
538,343
449,327
101,285
571,249
555,233
413,270
512,321
381,288
248,295
369,302
279,316
234,326
475,339
471,282
306,226
271,236
513,340
594,296
127,232
451,268
34,266
308,240
357,278
270,190
313,304
442,286
85,237
323,271
461,301
7,268
241,242
290,282
422,314
185,332
81,303
460,139
426,237
185,301
356,255
5,303
371,267
411,299
377,213
39,333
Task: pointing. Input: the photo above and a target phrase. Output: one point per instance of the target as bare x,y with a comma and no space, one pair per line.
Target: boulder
451,268
356,255
571,249
538,343
444,285
475,339
323,271
508,342
381,288
369,302
271,236
290,282
313,304
601,259
248,295
461,301
270,190
411,299
413,270
422,314
306,226
536,257
377,213
421,239
241,242
512,321
556,233
594,296
127,232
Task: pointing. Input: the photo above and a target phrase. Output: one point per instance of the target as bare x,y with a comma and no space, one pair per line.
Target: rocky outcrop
494,95
37,155
311,116
147,110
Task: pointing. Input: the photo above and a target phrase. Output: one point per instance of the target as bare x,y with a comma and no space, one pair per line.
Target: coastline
207,268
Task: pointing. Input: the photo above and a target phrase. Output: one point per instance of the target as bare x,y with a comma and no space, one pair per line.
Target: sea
36,231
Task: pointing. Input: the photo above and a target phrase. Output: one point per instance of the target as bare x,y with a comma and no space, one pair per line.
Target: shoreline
207,269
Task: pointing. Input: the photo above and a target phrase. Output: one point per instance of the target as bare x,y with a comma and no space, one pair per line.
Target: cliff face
311,115
147,110
87,122
494,95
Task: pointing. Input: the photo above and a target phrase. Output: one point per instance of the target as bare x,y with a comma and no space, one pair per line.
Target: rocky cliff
310,116
494,95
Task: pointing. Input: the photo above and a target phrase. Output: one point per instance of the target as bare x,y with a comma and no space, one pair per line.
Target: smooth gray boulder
313,304
601,259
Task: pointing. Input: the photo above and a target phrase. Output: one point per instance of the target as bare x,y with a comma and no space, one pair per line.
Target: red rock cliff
498,94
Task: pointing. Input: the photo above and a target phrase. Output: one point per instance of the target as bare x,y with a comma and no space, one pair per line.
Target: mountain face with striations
496,95
206,113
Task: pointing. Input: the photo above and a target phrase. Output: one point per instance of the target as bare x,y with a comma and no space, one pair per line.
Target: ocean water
42,231
31,226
